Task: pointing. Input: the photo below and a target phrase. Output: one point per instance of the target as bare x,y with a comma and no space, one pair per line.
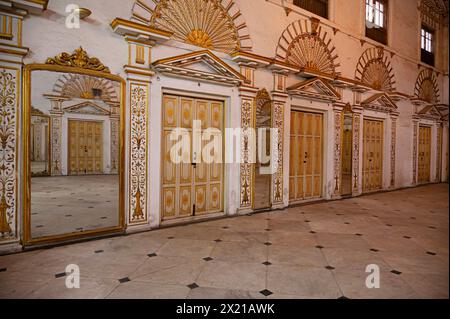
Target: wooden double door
424,161
85,147
373,155
190,188
306,156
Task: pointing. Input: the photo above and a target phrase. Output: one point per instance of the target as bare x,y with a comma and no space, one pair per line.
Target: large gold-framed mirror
73,148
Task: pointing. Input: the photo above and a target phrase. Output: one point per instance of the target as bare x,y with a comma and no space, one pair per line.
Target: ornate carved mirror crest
80,59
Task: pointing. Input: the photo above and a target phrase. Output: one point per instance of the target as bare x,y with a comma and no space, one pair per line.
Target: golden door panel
305,156
85,147
373,155
194,189
424,163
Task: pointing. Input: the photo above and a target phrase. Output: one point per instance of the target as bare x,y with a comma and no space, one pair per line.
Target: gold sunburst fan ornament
374,69
305,44
426,87
204,23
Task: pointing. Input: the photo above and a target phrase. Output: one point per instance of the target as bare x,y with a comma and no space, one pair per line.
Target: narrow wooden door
85,147
187,188
305,172
373,155
424,162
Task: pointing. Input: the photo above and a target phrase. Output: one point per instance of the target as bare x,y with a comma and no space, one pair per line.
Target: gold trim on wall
26,176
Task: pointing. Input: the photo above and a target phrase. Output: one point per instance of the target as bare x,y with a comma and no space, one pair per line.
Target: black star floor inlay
61,274
319,247
225,227
431,253
432,227
407,237
267,263
266,292
171,237
389,225
374,250
99,251
342,298
396,272
193,286
268,244
267,229
218,240
207,259
104,217
39,226
3,269
152,255
124,280
347,223
312,232
68,215
330,268
358,235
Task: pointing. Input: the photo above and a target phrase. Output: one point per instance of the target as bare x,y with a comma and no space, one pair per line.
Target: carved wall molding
246,167
79,59
304,43
426,88
337,151
434,13
277,179
415,146
356,148
210,24
374,69
9,99
393,148
139,96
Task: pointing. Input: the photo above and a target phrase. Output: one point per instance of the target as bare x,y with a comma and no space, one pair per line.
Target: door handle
85,149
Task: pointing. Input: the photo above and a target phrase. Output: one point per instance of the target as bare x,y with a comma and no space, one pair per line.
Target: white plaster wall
46,35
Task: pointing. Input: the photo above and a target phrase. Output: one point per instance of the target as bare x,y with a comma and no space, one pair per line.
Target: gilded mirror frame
27,240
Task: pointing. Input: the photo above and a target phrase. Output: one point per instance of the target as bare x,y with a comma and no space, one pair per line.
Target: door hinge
193,210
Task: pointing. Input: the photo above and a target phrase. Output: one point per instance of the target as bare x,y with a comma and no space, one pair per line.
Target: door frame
325,122
200,96
433,151
384,164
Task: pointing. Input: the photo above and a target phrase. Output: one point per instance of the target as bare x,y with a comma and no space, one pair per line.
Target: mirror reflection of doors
306,154
191,187
347,151
85,147
263,178
74,154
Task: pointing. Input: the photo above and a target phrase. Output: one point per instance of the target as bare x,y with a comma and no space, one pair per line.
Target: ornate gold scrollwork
79,59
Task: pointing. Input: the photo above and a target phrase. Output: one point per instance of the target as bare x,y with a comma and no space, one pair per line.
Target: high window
319,7
427,46
376,20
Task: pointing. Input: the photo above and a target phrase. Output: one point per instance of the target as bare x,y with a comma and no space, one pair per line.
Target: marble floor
66,204
314,251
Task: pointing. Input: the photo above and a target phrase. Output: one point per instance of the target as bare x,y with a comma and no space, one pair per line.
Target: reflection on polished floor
314,251
66,204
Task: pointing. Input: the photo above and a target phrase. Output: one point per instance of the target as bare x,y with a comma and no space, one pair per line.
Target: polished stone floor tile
313,251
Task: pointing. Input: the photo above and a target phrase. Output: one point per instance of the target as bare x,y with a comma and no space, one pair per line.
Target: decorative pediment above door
316,88
380,102
87,108
202,65
430,112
